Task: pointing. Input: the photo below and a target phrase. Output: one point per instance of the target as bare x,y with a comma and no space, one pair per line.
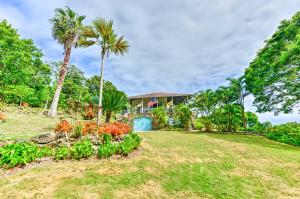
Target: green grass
170,165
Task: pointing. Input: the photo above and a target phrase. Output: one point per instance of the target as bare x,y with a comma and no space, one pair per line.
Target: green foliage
107,149
183,114
62,153
130,142
159,117
23,75
260,128
273,76
288,133
82,149
252,119
198,124
21,153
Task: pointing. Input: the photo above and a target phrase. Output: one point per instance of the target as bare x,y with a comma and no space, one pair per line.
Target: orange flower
63,127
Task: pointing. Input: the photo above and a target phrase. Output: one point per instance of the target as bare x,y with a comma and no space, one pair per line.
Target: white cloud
176,45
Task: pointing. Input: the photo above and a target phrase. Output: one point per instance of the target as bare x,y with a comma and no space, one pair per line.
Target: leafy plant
288,133
64,127
62,153
90,128
107,149
21,154
130,142
159,117
115,129
82,149
183,114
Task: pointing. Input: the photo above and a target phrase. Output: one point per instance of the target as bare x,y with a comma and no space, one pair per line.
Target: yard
168,165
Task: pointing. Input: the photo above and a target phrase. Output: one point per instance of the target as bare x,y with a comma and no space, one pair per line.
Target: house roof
159,94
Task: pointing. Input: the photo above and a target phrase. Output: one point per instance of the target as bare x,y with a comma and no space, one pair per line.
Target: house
144,103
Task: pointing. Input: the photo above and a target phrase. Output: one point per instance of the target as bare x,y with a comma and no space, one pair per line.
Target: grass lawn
170,165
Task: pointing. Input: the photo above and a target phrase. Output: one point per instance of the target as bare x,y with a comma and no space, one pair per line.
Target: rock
44,138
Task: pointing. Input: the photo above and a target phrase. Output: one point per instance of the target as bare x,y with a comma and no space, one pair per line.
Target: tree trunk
108,116
101,89
244,119
60,81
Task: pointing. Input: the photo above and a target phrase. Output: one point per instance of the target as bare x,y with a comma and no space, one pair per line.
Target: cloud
175,45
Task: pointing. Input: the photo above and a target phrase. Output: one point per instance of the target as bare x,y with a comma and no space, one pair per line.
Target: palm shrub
159,117
101,33
66,29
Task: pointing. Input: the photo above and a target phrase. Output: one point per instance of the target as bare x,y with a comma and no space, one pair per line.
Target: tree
238,88
101,33
113,101
67,27
273,77
21,66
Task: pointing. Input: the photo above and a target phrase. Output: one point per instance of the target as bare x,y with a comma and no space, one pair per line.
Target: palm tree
239,90
101,33
67,26
113,101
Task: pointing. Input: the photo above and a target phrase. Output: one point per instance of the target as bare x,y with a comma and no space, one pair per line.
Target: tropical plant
114,129
62,153
67,27
64,127
184,115
130,142
159,117
113,101
101,33
82,149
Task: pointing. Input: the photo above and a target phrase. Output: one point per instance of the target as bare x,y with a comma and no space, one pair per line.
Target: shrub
2,117
159,118
288,133
90,128
62,153
131,142
183,114
107,149
82,149
89,112
63,127
198,124
77,130
21,153
260,128
115,129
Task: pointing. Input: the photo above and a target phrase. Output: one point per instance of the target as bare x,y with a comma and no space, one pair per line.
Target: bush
159,118
183,114
90,128
89,112
288,133
131,142
62,153
107,149
82,149
2,117
115,129
77,130
260,128
63,127
21,153
198,124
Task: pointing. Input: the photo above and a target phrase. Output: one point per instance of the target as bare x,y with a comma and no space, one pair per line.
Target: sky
175,45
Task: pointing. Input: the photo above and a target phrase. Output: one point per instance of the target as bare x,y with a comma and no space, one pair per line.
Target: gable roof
158,94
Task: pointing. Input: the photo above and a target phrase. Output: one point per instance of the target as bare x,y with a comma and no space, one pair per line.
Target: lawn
169,165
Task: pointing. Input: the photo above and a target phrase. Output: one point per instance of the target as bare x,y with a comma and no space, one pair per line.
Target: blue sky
176,45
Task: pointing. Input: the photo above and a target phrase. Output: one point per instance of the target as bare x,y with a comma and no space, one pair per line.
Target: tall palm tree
101,33
66,29
239,90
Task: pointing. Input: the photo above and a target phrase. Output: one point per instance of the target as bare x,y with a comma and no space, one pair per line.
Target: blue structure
142,124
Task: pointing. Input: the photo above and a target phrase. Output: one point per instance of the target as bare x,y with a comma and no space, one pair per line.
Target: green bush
82,149
159,117
62,153
198,124
260,128
288,133
184,115
130,142
107,149
19,154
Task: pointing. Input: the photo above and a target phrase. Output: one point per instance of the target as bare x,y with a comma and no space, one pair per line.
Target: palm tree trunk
60,81
101,90
244,119
108,116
